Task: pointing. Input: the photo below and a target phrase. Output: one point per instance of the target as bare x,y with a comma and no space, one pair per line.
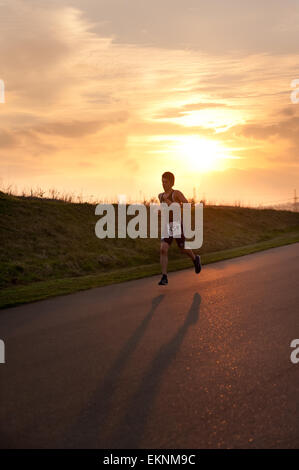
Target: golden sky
103,96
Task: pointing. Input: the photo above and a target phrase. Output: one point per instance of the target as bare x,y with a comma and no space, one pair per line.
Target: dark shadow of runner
87,430
130,431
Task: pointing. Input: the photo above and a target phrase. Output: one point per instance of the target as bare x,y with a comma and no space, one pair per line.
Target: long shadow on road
89,426
130,431
91,429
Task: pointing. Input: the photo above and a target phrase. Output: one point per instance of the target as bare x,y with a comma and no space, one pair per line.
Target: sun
192,152
201,154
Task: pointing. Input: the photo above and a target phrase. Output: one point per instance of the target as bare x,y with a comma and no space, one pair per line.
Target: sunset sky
102,97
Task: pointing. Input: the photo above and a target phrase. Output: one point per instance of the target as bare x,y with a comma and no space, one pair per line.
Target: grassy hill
49,246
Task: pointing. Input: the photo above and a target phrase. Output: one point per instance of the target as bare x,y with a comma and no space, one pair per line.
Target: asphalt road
201,363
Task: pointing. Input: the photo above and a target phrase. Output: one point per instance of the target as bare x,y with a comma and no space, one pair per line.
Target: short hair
169,176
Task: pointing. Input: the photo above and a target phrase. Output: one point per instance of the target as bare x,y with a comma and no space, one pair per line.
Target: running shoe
163,280
197,264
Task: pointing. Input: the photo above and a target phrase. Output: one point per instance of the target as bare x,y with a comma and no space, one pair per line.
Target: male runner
169,196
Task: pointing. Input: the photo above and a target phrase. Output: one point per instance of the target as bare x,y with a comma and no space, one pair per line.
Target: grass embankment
49,247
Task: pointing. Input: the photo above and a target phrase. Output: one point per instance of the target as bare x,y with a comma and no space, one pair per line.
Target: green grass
42,290
49,247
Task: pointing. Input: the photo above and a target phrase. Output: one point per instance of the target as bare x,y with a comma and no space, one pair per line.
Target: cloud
27,141
7,140
213,27
180,111
36,48
289,111
76,128
286,129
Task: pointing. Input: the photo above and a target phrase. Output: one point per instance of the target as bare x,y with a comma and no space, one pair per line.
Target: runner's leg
195,258
188,252
181,244
164,256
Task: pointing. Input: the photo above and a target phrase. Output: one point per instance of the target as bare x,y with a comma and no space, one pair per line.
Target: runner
169,196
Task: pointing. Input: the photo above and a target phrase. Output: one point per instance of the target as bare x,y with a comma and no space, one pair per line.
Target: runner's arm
162,198
179,197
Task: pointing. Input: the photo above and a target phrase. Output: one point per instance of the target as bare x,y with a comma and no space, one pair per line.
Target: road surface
201,363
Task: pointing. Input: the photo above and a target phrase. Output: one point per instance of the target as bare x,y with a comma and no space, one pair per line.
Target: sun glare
193,152
200,154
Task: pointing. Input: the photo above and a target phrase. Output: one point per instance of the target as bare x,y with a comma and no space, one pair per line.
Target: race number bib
174,229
